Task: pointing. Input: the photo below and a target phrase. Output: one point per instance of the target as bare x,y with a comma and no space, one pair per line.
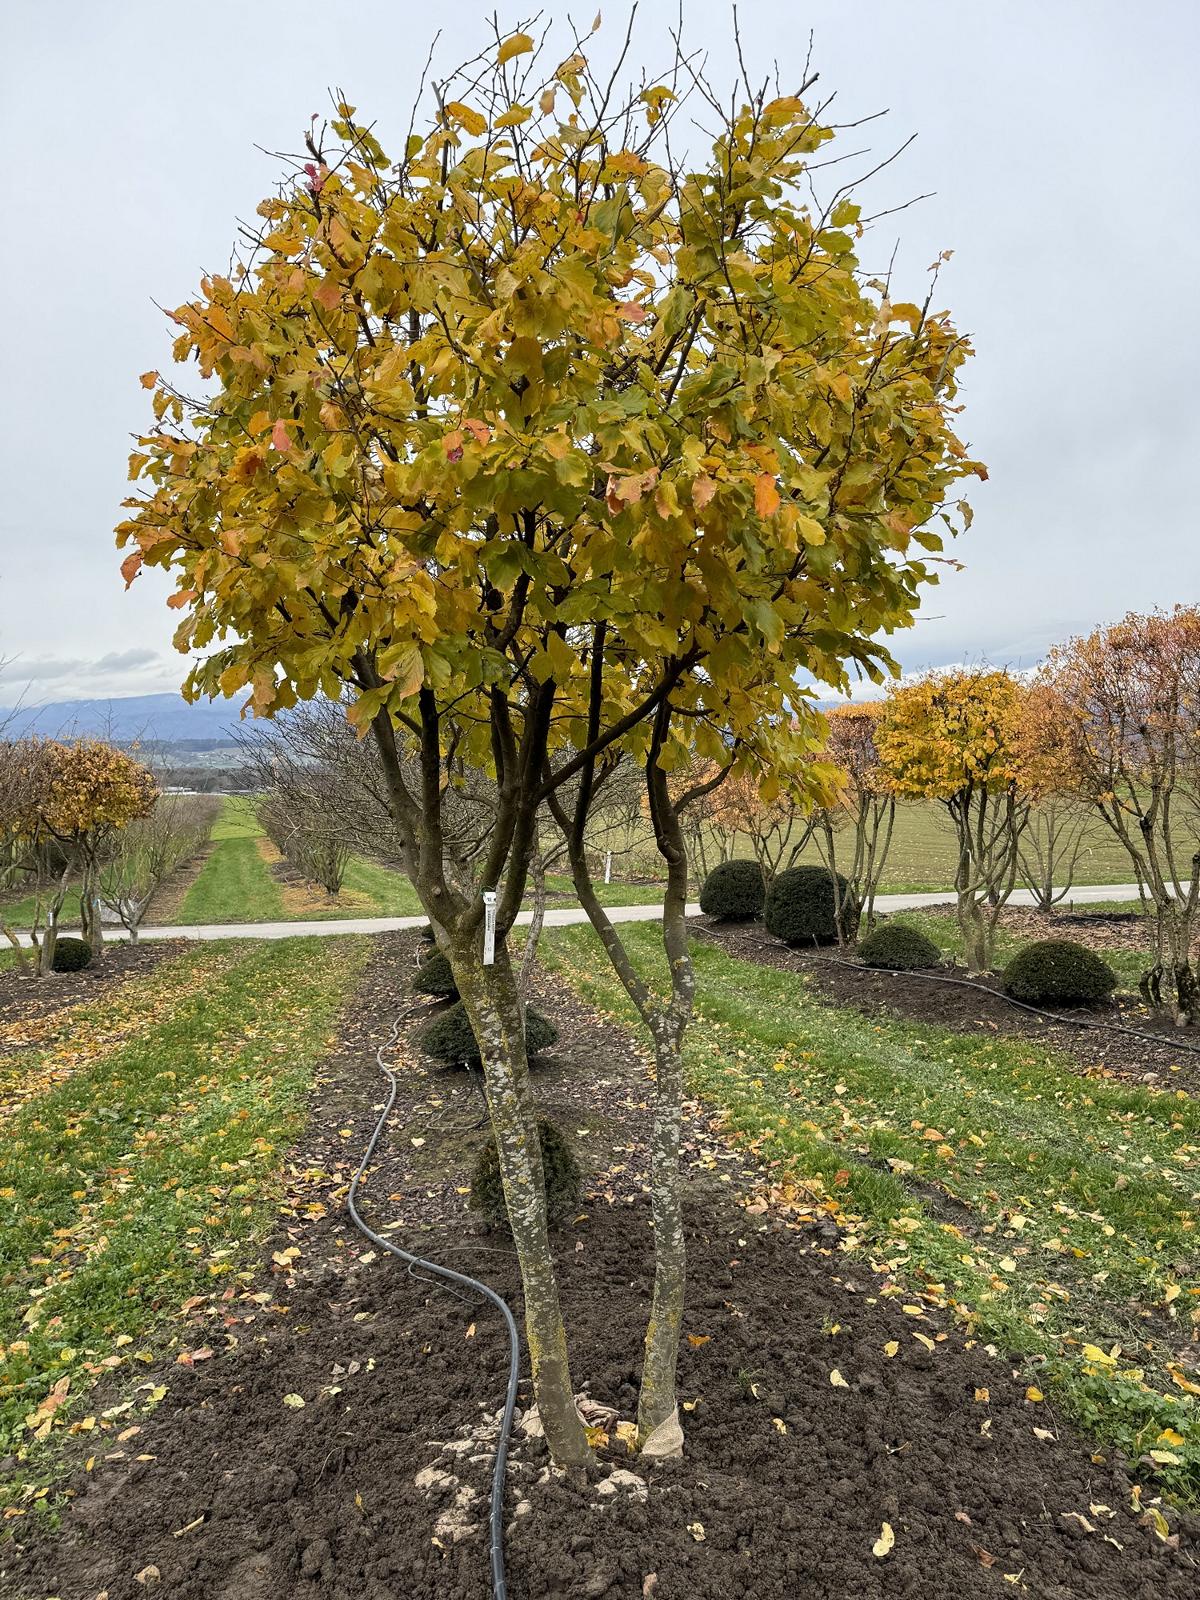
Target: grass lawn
1056,1215
235,883
142,1145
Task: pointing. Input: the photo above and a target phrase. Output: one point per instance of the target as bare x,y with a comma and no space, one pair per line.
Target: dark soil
976,1008
228,1493
25,996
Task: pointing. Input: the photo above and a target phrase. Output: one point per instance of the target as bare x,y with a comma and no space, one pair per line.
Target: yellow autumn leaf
885,1541
514,117
466,117
1034,1393
517,44
837,1380
891,1348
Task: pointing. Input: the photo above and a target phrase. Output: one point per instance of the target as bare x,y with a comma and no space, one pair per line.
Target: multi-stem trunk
493,1004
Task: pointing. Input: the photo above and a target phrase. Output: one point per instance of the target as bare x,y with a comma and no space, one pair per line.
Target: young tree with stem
1061,823
953,737
143,855
85,794
1133,694
863,813
549,441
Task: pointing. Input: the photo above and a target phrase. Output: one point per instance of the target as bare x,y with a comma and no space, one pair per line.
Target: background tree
776,830
953,737
144,854
1133,693
854,834
22,781
547,441
1061,824
85,794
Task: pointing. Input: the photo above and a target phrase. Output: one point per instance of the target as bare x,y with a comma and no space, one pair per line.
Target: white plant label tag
489,927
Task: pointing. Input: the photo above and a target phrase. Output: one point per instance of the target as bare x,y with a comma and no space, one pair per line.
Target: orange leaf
697,1339
131,566
766,495
280,437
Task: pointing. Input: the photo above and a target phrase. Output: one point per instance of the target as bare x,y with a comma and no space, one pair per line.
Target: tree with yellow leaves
954,737
547,445
75,799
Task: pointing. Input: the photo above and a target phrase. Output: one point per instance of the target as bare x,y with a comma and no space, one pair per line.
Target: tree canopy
541,376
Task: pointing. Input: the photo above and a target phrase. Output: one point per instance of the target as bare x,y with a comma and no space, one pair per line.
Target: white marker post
489,927
608,866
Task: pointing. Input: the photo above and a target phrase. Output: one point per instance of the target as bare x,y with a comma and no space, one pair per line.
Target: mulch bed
788,1475
975,1009
24,996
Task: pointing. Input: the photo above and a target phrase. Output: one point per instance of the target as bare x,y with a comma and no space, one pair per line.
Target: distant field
923,853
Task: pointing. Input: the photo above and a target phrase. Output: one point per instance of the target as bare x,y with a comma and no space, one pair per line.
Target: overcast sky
1060,138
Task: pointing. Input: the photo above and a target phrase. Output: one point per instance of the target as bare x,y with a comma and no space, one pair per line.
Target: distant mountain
162,718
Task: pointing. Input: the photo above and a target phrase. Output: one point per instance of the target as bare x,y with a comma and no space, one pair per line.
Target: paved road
564,916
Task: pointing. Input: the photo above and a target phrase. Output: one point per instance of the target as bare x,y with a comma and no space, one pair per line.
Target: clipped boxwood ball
734,892
435,977
71,955
896,947
449,1038
800,906
1059,972
561,1174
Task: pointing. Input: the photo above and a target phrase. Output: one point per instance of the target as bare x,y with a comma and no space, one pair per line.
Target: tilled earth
804,1435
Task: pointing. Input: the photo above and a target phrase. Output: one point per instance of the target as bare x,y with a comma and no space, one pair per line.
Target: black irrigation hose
499,1583
1054,1016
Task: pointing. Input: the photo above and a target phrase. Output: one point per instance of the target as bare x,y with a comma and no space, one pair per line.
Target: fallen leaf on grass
885,1541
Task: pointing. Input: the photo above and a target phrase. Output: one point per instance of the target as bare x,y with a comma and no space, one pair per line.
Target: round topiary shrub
449,1038
895,947
800,906
435,977
734,892
561,1173
71,955
1059,972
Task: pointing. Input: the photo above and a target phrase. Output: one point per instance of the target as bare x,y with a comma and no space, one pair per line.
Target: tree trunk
493,1004
537,874
656,1402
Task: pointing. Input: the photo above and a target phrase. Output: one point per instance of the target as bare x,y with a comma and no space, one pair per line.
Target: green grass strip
1058,1214
149,1175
